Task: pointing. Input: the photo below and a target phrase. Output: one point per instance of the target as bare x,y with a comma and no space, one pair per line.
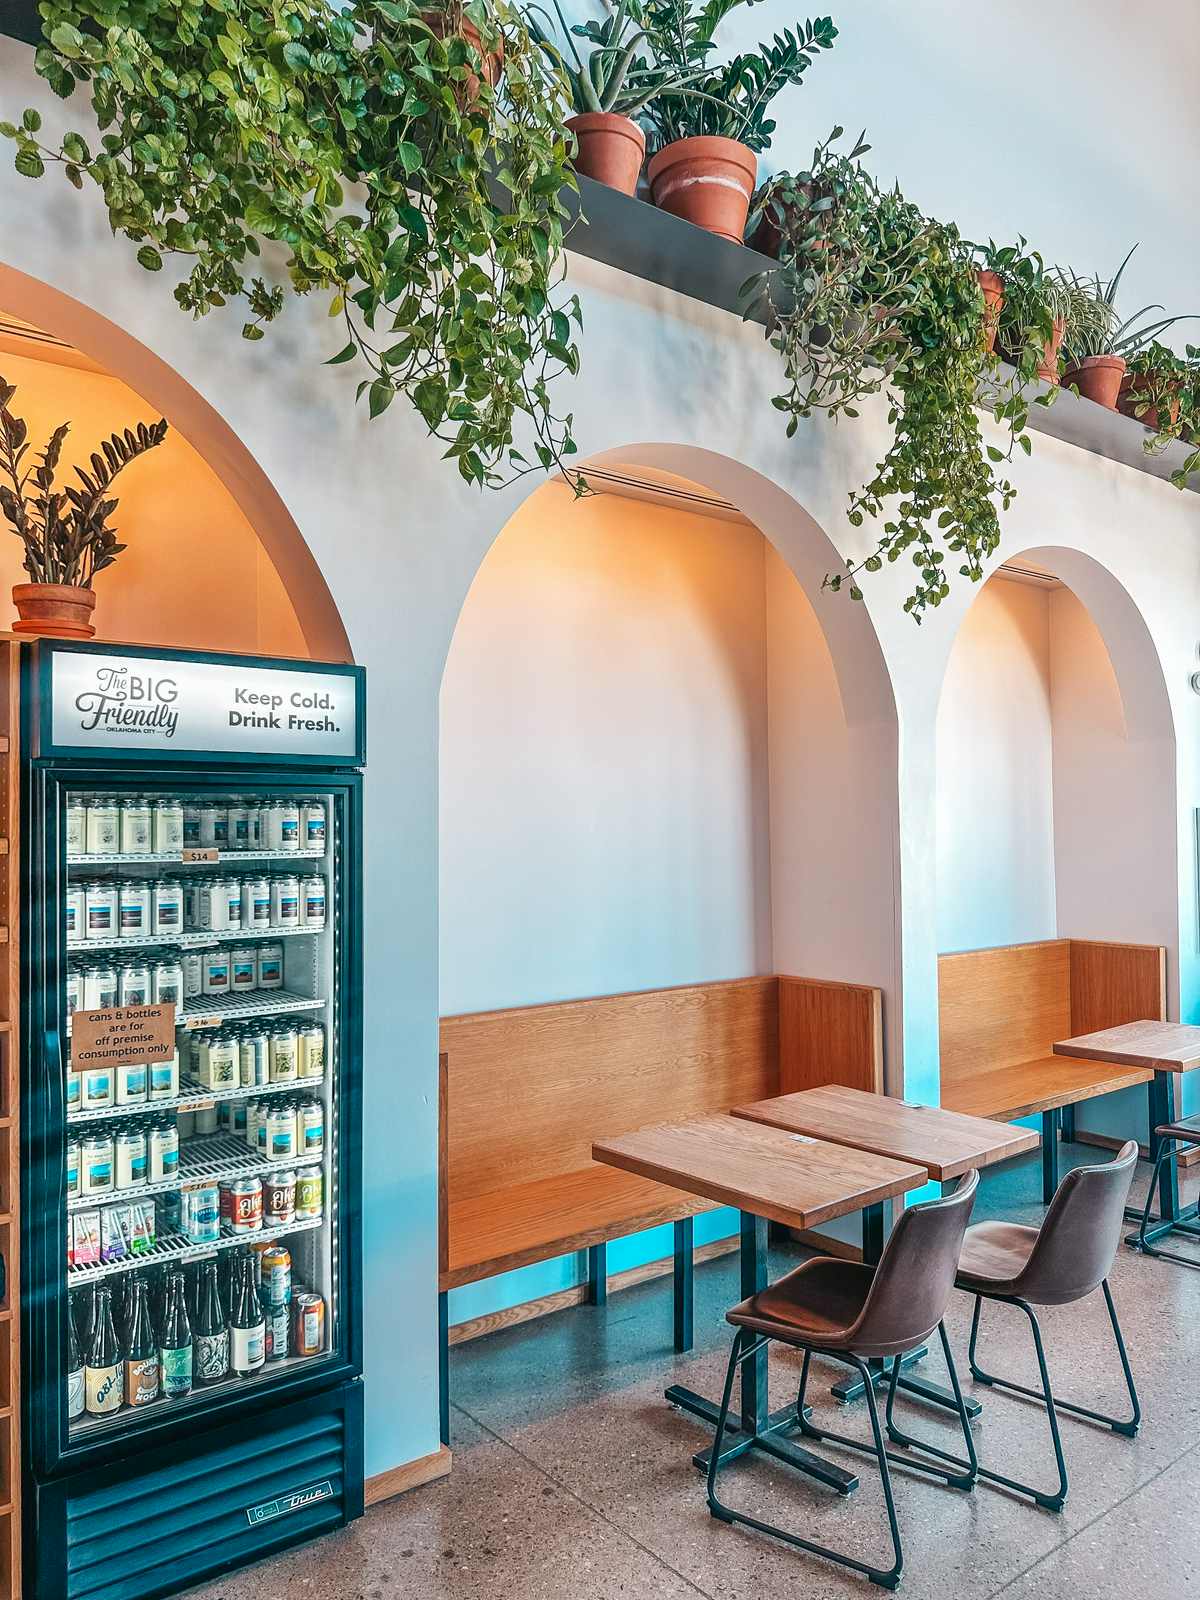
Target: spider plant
1093,324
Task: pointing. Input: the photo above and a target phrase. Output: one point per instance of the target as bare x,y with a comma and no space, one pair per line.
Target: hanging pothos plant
870,296
363,152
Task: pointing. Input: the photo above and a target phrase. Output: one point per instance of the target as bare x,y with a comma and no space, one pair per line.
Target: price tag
192,1023
204,1104
199,853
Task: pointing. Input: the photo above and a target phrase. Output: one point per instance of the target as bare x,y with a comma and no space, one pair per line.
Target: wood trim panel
545,1305
829,1033
1116,983
1001,1007
529,1089
426,1469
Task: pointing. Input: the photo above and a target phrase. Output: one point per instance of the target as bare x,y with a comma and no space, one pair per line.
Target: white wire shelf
185,941
177,1247
212,1158
175,858
194,1096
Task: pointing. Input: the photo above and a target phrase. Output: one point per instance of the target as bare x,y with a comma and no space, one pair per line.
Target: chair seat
816,1304
994,1255
1180,1128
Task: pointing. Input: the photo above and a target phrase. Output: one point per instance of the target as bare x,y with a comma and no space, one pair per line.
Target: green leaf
31,120
252,331
381,396
347,353
149,258
410,156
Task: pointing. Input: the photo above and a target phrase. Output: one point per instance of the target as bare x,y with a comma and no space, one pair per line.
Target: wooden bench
524,1093
1002,1010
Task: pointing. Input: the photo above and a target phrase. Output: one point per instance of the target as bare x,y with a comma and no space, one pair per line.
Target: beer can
255,1055
310,1128
308,1323
279,1199
277,1320
275,1269
243,1198
202,1213
310,1041
310,1195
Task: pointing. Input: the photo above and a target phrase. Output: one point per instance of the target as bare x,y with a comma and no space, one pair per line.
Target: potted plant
871,295
1096,341
709,130
1153,388
608,89
65,531
1024,309
357,153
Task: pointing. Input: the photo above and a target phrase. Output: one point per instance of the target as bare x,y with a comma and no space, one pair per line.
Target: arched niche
215,559
1056,773
585,622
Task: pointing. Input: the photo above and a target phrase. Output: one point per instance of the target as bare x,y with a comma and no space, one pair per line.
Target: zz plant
281,147
730,100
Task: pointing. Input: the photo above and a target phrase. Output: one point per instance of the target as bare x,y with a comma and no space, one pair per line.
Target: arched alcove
1056,775
666,758
214,559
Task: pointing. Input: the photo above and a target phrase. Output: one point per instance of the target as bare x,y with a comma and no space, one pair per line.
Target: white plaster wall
995,809
399,541
603,758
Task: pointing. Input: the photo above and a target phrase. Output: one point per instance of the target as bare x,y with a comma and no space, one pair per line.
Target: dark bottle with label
247,1324
102,1367
141,1352
83,1309
175,1342
211,1328
75,1380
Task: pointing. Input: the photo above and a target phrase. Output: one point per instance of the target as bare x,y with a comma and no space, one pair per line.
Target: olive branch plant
363,153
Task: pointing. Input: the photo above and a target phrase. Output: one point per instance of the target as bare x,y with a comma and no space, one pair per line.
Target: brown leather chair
1067,1258
1172,1138
852,1312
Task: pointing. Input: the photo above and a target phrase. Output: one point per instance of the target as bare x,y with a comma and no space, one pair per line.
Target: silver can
166,914
256,904
100,909
270,965
134,989
285,901
133,914
168,827
216,971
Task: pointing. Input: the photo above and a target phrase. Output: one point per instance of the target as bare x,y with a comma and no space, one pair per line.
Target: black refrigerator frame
300,1434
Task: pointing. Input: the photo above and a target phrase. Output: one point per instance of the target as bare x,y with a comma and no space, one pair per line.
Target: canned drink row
122,1157
289,1050
198,1212
138,824
111,1088
153,978
213,902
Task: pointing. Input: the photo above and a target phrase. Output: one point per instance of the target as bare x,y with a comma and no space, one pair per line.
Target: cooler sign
113,702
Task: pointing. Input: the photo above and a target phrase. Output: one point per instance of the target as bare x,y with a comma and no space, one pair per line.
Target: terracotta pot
439,22
611,148
1133,387
1098,378
1048,367
57,610
705,180
993,303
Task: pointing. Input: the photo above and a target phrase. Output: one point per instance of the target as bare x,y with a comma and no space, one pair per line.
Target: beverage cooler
191,1118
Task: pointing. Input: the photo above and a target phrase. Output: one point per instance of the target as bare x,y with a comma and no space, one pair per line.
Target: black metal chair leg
1051,1502
1144,1239
887,1578
684,1284
957,1474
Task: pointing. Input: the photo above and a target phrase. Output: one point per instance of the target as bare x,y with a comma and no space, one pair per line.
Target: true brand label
285,1504
105,700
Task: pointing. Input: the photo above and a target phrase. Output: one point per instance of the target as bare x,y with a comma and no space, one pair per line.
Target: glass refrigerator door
201,1240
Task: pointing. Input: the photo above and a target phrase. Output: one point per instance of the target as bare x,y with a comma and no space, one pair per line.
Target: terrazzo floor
572,1477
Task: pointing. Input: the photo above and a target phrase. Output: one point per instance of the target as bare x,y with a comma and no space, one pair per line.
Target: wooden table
1166,1048
769,1175
945,1143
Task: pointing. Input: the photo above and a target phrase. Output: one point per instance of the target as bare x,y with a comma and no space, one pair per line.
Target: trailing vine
364,153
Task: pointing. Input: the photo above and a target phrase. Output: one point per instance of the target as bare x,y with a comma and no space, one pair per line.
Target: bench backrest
527,1090
1010,1004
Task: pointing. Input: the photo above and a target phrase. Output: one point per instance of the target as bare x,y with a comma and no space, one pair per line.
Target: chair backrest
1081,1232
915,1274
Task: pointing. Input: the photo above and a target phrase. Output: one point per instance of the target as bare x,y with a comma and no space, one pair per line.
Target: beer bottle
212,1331
141,1355
247,1325
175,1342
75,1383
83,1305
102,1368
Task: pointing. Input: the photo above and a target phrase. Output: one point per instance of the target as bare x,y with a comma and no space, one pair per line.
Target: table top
786,1177
945,1143
1162,1046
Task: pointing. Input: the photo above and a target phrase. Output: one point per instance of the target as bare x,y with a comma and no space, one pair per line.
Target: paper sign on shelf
119,1036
